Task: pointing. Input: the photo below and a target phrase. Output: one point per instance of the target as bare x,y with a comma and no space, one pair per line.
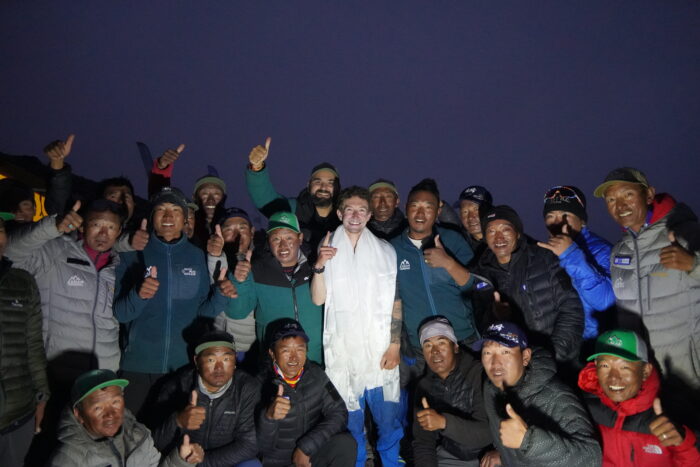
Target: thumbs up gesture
243,267
215,244
71,221
225,285
150,284
429,419
512,429
258,155
140,238
663,428
192,416
192,453
325,252
437,257
501,308
170,156
280,405
58,150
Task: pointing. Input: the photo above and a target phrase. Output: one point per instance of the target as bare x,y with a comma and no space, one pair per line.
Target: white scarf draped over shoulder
360,290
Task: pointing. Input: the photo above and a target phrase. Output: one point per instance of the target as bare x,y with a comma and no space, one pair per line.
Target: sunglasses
562,194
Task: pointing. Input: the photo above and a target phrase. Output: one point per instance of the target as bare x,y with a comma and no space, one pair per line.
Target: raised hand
258,155
512,430
240,273
325,252
662,428
150,284
429,419
58,150
280,406
558,244
192,416
501,309
71,221
675,256
215,244
225,285
437,257
170,156
141,236
192,453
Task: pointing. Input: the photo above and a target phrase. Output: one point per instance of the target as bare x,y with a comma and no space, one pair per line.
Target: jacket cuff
166,172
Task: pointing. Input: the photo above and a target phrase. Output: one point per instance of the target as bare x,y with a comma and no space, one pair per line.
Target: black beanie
505,213
566,198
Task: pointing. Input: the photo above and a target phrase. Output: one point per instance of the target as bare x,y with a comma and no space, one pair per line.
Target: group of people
184,336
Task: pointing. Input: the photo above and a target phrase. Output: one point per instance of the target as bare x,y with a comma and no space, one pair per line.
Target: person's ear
76,413
272,354
527,356
650,194
646,371
301,237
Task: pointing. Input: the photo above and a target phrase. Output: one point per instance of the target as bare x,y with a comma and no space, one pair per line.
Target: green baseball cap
621,343
6,216
89,382
623,174
283,220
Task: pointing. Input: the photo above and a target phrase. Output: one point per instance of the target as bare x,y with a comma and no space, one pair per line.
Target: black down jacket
540,296
317,412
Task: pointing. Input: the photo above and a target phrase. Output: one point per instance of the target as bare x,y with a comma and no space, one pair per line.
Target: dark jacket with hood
317,412
624,427
540,296
459,399
228,432
559,431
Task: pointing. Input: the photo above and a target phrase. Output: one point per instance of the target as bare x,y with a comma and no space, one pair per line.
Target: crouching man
303,419
214,403
98,430
535,419
622,389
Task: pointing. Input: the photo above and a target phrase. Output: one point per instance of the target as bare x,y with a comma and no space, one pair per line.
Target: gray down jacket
559,431
666,301
76,299
131,447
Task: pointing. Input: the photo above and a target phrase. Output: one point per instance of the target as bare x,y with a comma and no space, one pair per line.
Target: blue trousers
387,416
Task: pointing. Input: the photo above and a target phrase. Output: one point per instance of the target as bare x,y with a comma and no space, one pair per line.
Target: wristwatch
318,270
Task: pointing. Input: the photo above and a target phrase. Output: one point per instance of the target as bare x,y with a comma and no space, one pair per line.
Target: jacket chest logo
405,265
189,272
622,260
652,449
76,281
619,283
16,304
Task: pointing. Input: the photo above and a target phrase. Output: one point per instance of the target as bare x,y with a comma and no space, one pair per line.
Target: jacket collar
588,381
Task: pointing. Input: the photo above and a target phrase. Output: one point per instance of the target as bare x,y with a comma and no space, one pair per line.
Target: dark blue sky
513,95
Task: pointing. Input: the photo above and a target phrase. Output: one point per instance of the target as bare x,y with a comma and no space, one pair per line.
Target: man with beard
387,219
214,403
313,206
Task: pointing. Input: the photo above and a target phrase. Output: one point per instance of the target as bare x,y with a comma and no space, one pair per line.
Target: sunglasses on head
562,194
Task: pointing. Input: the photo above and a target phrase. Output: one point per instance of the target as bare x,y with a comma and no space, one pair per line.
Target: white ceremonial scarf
360,290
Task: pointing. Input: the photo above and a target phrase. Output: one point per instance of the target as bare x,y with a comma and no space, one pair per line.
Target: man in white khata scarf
355,276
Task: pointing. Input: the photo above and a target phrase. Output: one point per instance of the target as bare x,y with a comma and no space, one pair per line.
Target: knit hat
170,195
438,326
89,382
324,166
215,339
233,212
502,212
283,220
477,194
213,179
623,174
621,343
383,183
565,198
504,333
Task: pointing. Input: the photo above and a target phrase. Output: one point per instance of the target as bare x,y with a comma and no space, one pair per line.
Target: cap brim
6,216
599,192
122,383
616,353
478,345
278,225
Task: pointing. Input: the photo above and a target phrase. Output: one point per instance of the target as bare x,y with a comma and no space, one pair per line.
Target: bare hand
491,459
501,309
299,459
391,357
558,244
240,273
258,155
150,285
429,419
437,257
225,285
191,453
662,428
39,416
71,221
170,156
215,244
279,407
325,252
192,417
676,257
141,236
59,150
512,430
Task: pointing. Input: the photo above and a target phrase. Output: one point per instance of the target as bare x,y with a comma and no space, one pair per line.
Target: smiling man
387,219
622,390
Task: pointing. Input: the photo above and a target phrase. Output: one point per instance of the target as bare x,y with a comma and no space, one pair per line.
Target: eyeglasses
564,194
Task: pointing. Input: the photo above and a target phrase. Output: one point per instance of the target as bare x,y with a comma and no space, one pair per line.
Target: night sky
516,96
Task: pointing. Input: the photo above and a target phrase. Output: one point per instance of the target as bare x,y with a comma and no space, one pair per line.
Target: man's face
209,196
3,238
440,354
25,211
354,214
188,228
422,209
121,194
469,215
504,365
168,221
628,203
321,187
290,355
101,230
555,221
102,412
619,378
383,203
285,244
236,228
502,239
216,366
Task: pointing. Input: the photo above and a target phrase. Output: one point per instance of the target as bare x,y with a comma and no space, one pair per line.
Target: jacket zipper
168,310
426,282
294,299
94,324
114,449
